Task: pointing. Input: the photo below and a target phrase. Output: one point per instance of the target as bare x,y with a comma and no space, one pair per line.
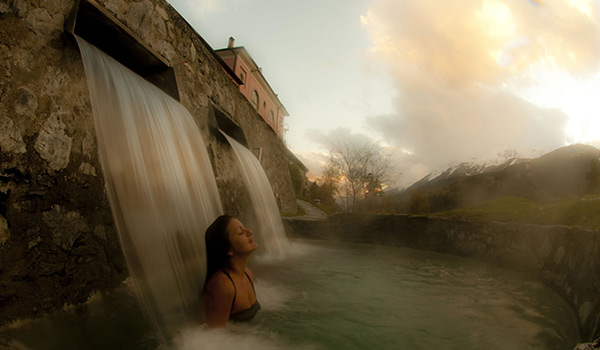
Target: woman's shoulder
219,282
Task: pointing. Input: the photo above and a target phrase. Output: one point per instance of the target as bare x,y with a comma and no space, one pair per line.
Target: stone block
53,145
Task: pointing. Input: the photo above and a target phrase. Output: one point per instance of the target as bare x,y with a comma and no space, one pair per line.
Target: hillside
568,172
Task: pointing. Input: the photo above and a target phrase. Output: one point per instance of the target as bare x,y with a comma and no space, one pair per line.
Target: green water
347,296
343,296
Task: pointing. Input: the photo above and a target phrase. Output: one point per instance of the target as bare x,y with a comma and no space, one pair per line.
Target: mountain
566,172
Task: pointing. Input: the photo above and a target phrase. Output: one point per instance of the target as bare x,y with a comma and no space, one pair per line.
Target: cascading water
270,231
160,184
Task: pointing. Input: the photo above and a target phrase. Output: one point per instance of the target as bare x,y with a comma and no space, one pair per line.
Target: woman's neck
238,264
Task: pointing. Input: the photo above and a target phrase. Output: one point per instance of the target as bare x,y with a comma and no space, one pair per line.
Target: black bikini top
247,314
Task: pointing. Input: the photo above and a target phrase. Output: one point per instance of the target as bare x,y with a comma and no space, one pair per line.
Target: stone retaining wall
57,238
564,258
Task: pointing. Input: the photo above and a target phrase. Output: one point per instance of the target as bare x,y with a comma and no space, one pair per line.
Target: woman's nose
249,232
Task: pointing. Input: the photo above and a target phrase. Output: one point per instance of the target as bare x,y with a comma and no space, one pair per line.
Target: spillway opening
220,121
100,28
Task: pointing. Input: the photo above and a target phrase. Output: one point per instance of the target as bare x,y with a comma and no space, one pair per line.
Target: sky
434,83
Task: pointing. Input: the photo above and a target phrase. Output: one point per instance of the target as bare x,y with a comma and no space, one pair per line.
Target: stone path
312,212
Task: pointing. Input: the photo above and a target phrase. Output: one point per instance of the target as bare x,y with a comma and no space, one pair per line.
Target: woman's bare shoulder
219,283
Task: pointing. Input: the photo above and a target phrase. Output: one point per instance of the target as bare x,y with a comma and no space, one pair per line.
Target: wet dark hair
217,245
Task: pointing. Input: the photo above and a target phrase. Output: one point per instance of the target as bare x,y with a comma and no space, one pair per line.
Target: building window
271,116
264,104
255,99
242,74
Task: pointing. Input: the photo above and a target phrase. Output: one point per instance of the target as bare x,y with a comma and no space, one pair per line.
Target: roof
240,50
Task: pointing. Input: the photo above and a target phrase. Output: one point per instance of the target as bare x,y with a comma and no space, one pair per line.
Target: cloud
314,162
485,41
338,136
453,63
441,126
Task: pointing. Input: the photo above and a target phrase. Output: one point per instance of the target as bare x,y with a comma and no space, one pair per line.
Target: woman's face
240,238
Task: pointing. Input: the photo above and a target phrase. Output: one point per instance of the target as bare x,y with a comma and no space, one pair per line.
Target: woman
229,287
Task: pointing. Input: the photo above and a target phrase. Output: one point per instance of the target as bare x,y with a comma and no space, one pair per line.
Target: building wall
252,79
266,102
57,239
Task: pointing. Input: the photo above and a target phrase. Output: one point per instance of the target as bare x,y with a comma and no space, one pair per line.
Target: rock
83,250
4,232
10,136
139,18
40,21
47,269
20,7
88,146
159,24
100,232
34,242
161,12
87,169
4,9
595,345
27,102
53,145
66,227
116,6
16,7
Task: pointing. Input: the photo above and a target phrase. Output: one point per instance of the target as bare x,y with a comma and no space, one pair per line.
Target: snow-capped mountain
567,171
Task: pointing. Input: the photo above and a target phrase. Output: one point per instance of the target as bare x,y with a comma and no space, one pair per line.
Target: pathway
312,212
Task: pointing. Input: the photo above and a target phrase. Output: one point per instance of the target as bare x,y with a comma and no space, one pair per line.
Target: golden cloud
484,42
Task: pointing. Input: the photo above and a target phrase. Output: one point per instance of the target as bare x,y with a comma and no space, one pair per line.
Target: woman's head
225,238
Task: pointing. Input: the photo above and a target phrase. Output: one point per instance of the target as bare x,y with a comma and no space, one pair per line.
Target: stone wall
564,258
57,239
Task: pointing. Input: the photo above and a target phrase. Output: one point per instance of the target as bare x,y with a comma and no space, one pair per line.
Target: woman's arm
217,300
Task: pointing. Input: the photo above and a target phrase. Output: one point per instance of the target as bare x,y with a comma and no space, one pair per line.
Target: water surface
329,295
354,296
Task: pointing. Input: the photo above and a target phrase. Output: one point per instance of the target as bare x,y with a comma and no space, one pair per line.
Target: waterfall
270,232
160,185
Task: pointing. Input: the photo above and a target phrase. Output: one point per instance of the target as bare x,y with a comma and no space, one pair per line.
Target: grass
584,212
328,209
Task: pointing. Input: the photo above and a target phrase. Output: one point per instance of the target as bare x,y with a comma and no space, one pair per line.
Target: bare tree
357,170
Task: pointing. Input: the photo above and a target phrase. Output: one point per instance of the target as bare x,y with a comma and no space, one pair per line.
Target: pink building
254,86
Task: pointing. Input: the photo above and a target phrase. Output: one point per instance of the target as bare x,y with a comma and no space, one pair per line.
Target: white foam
272,296
234,336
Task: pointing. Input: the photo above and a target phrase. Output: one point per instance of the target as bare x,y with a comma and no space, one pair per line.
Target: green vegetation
327,208
584,212
296,177
321,196
418,203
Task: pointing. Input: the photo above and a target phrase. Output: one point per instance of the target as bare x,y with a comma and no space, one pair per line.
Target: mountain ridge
568,171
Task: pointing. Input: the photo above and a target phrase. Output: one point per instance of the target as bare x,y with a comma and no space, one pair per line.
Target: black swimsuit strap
235,289
252,284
